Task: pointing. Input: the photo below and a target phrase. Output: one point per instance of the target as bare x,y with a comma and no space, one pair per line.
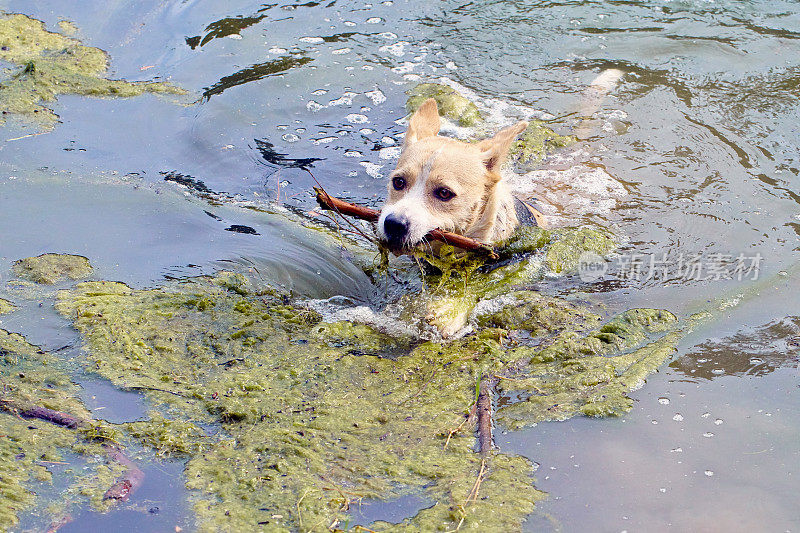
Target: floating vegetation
310,420
50,64
52,268
45,462
451,104
6,306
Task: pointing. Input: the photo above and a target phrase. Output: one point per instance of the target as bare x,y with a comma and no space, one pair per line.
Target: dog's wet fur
455,186
447,184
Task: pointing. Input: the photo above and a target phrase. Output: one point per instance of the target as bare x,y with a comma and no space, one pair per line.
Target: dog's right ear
424,123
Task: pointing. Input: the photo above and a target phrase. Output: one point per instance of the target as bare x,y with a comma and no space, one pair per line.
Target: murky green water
695,153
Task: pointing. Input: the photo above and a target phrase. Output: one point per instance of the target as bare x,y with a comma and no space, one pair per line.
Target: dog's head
440,182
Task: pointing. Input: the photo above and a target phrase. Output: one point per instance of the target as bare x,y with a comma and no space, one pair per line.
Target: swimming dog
456,186
448,184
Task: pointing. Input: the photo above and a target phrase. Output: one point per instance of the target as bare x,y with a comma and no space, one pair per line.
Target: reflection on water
752,352
695,153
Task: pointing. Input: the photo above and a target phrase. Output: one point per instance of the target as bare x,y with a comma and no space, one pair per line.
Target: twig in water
327,201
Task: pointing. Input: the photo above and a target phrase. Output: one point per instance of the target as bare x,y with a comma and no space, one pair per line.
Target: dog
456,186
448,184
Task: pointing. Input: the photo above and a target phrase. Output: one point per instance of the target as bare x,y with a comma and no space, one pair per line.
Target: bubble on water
352,153
450,65
372,169
277,50
654,422
387,35
345,99
677,450
756,361
718,371
662,490
709,473
388,141
718,422
311,40
281,127
387,3
705,415
325,140
374,20
366,131
356,118
340,51
290,137
701,360
311,105
397,49
708,434
235,36
663,400
404,67
300,130
678,417
376,96
349,23
392,152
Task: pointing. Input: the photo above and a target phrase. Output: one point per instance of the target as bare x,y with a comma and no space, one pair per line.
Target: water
695,153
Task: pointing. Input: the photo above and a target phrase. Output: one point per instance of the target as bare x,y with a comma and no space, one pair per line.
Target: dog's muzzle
396,230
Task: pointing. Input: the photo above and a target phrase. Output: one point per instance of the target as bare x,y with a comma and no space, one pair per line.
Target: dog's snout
396,229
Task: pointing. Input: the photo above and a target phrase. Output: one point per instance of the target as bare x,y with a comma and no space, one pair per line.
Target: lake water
694,160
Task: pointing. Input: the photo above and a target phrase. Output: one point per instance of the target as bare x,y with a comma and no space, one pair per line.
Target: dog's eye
444,194
399,183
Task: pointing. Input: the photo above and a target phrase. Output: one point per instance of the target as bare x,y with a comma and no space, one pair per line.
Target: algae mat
285,421
50,64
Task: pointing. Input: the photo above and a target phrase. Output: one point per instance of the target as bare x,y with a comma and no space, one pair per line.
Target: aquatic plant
50,64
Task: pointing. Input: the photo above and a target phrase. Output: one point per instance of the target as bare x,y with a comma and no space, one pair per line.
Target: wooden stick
43,413
127,484
327,201
485,417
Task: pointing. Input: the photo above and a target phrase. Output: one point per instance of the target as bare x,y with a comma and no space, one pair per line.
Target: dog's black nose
396,229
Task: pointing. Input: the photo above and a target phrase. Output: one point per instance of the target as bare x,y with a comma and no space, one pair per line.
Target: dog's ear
495,150
424,123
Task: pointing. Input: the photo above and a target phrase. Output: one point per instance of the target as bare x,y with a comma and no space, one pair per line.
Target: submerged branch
127,484
43,413
327,201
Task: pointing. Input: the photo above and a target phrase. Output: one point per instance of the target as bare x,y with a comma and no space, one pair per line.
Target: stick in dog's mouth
328,202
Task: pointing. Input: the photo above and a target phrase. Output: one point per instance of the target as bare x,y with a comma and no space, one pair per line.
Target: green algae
529,149
536,142
537,314
30,377
6,306
451,104
565,250
591,374
463,280
309,419
50,64
51,268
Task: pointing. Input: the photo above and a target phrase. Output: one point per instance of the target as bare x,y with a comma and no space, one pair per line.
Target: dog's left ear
424,123
495,150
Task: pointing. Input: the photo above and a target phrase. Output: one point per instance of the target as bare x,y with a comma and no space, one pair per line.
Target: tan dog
455,186
448,184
